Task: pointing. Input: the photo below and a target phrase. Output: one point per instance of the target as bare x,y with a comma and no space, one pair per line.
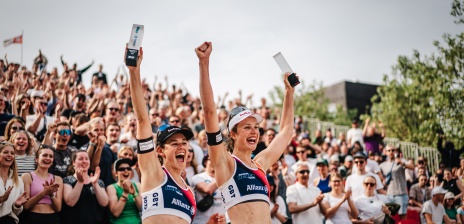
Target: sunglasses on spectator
420,162
115,109
369,184
65,132
337,181
43,103
174,121
44,146
15,128
300,152
4,90
156,114
303,172
359,162
124,169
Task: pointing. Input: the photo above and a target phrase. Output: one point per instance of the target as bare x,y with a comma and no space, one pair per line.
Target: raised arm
272,153
148,161
220,158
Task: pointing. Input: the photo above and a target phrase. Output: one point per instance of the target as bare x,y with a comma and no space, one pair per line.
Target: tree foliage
425,95
457,10
310,102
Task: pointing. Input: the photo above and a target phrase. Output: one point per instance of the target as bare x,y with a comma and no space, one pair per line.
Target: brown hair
10,124
30,141
20,98
230,142
71,170
37,154
13,166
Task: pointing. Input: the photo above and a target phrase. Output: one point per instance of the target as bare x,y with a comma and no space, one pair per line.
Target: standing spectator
329,138
452,184
4,115
419,193
395,167
371,206
112,112
345,169
44,189
155,120
372,139
281,180
12,192
301,154
433,210
192,168
37,124
354,134
84,195
449,154
127,152
450,210
355,180
337,205
276,203
318,140
125,202
205,184
322,182
129,131
14,125
79,72
100,75
24,152
41,61
304,199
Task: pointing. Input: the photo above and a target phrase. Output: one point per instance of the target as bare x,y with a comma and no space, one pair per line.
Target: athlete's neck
244,156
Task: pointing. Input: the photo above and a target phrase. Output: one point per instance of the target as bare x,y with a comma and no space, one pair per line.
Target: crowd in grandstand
115,151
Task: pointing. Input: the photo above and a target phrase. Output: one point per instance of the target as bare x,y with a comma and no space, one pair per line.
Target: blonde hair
13,166
30,141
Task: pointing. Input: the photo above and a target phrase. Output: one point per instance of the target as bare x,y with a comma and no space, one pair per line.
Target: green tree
457,10
425,95
310,102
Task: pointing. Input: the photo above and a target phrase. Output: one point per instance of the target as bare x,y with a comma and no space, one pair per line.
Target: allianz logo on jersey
173,188
252,187
179,203
246,176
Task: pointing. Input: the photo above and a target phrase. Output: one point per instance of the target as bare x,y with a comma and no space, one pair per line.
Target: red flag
14,40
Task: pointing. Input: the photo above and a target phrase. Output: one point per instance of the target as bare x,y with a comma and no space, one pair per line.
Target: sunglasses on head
15,128
369,184
65,132
44,146
124,169
303,172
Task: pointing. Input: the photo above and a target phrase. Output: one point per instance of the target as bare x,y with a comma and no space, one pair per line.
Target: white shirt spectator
370,207
282,209
371,166
355,183
313,174
7,207
31,118
355,134
437,212
289,159
341,216
217,207
300,194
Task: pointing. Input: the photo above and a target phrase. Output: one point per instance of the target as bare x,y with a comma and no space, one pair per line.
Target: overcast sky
328,41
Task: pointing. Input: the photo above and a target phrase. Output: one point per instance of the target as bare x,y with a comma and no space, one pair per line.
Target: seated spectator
304,199
24,152
277,204
433,210
125,203
338,205
371,206
322,182
450,210
355,180
419,193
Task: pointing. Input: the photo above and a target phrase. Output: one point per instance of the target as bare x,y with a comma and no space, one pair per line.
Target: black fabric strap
145,145
214,138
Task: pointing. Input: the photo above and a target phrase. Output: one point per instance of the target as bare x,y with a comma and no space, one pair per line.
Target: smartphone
285,67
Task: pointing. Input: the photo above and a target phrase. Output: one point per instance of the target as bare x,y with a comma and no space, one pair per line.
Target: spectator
44,190
155,120
14,125
41,61
23,106
125,202
419,193
192,168
112,113
433,210
127,152
12,193
329,138
450,210
345,169
205,184
355,180
37,124
78,72
281,180
371,205
129,131
301,154
4,115
100,75
84,196
371,138
354,134
24,152
277,204
395,167
318,140
449,154
304,199
338,205
63,153
453,185
322,182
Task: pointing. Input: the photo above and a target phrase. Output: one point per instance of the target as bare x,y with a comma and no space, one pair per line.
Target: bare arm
207,188
366,124
272,153
459,184
71,194
294,208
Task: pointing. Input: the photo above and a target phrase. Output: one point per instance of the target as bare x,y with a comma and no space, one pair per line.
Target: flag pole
22,44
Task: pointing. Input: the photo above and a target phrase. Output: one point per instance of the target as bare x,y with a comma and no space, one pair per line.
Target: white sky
328,41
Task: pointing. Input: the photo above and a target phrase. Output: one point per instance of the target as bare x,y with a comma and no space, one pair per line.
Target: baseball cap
166,131
322,161
122,161
449,195
359,155
334,158
239,114
438,190
349,158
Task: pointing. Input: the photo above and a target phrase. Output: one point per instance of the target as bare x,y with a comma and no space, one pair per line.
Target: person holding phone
242,180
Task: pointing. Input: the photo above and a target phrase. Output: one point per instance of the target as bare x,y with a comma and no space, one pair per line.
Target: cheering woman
241,180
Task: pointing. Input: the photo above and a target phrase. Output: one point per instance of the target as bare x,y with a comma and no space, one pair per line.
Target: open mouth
47,162
126,175
8,159
252,140
180,157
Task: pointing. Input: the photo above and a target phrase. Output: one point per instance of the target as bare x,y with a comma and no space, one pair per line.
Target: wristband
214,138
92,144
145,145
